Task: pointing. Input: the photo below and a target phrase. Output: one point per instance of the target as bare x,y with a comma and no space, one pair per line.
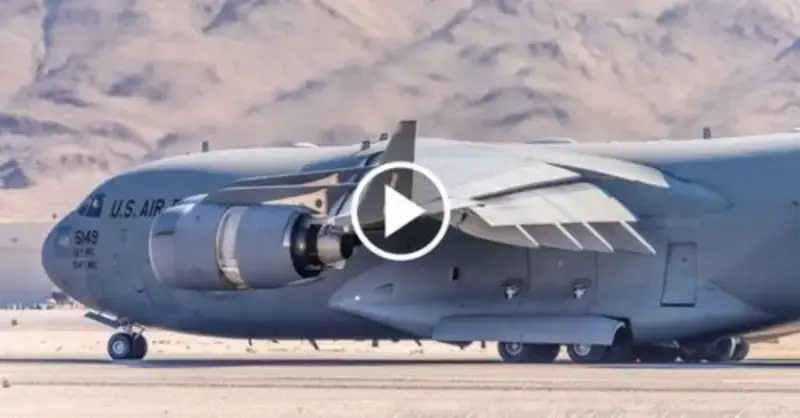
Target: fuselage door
680,276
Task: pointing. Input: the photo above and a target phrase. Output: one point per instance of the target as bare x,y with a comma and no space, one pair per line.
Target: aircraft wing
547,202
552,200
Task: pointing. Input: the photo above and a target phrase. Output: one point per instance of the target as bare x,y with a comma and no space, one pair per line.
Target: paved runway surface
62,373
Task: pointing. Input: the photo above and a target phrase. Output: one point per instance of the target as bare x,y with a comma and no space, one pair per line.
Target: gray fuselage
745,255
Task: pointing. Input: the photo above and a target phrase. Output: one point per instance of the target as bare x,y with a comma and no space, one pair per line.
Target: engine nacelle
198,246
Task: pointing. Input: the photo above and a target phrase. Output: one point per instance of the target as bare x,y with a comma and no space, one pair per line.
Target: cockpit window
92,207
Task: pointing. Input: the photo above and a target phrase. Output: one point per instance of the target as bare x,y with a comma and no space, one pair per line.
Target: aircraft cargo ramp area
59,357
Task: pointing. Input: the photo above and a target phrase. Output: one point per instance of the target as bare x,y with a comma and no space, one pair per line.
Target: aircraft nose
50,262
57,261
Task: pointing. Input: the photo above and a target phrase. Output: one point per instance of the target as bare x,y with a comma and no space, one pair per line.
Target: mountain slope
90,87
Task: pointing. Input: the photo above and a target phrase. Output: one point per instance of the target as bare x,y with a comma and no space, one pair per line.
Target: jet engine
198,246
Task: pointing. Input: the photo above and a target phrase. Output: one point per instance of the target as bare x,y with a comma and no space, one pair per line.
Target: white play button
398,211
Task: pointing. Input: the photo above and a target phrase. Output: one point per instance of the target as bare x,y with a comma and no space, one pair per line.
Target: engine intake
210,247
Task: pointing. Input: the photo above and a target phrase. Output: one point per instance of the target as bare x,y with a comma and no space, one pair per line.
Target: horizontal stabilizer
530,329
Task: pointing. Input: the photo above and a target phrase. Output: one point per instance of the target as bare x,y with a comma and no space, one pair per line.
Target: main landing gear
528,353
127,346
718,351
729,349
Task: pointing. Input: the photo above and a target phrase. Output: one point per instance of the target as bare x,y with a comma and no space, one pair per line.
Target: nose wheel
127,346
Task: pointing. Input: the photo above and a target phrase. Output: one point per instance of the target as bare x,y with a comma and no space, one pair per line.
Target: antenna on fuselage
204,146
706,133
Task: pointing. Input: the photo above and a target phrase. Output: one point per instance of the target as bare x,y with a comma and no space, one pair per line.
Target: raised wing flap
608,167
511,180
574,216
589,237
530,210
585,202
569,203
553,236
623,237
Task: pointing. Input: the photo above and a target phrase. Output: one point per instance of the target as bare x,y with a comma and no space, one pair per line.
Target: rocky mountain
90,87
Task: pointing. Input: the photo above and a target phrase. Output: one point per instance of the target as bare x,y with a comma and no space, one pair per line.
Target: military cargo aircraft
653,251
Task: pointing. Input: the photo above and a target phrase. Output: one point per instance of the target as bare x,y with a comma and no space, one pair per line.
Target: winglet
402,144
401,147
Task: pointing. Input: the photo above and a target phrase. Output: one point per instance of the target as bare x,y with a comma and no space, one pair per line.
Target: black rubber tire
741,351
120,346
721,351
140,347
693,356
543,353
527,353
591,354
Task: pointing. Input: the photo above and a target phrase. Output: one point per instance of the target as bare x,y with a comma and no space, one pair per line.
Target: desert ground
53,363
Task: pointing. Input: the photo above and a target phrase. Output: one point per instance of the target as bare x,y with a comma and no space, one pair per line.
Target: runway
301,386
65,373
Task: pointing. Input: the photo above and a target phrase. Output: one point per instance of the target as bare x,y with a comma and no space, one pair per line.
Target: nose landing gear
128,344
